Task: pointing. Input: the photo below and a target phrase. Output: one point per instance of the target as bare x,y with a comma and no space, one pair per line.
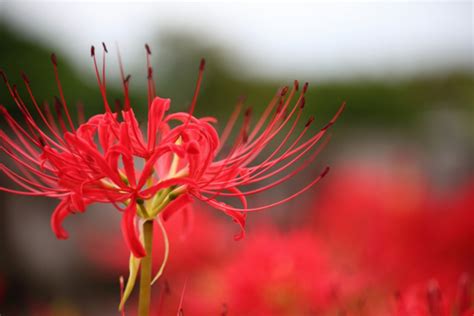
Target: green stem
145,271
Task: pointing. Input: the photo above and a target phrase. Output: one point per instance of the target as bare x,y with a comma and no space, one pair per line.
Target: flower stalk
145,270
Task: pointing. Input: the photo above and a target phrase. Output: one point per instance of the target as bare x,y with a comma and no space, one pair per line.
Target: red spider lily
179,153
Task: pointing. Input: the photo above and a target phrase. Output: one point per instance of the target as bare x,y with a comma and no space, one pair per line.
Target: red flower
390,213
179,154
270,273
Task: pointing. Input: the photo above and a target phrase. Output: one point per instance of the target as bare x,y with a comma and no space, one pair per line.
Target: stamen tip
92,51
296,85
325,172
54,60
248,112
202,64
310,121
105,47
148,50
283,91
305,87
4,75
25,77
41,141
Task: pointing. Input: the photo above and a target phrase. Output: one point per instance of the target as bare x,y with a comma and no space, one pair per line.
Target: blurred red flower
393,226
198,241
271,273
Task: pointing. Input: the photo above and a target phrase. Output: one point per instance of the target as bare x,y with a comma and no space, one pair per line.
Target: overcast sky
317,40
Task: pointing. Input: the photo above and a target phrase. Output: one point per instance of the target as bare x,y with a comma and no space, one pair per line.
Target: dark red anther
305,87
92,51
328,125
302,102
15,91
284,90
248,112
105,47
325,172
25,78
4,76
202,64
148,50
41,141
127,79
296,85
310,121
54,60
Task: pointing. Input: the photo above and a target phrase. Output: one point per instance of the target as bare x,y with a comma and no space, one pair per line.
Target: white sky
328,39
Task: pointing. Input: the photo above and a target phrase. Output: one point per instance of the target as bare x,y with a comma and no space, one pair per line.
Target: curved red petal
177,204
59,214
129,231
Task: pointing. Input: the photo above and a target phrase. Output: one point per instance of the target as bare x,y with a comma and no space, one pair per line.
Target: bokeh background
392,225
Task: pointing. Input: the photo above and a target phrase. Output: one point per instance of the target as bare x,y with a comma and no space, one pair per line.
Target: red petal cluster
109,159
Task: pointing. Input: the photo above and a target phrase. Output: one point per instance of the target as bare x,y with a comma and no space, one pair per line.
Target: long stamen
99,81
198,87
60,88
48,125
230,123
58,106
151,82
219,205
125,81
80,113
104,51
